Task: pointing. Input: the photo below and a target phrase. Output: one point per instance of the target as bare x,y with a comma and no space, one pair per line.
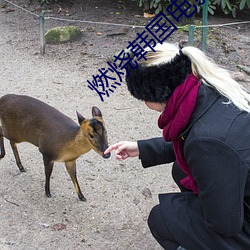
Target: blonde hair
205,69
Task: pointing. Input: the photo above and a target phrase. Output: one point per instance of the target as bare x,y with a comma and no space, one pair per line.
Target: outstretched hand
124,150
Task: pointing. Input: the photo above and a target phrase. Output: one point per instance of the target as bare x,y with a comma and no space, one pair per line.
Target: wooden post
191,35
204,23
42,32
2,3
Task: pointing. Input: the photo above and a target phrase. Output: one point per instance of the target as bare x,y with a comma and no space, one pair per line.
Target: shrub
227,6
231,6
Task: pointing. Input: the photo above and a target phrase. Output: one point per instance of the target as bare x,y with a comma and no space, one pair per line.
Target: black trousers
179,221
156,222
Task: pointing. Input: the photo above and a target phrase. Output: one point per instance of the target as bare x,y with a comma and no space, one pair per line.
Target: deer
58,137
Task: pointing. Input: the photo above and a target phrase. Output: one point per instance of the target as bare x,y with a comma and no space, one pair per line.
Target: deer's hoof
82,198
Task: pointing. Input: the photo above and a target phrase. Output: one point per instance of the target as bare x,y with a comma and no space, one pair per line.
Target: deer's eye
91,136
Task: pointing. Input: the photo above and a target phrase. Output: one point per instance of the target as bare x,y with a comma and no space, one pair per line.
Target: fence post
2,3
204,23
191,35
42,31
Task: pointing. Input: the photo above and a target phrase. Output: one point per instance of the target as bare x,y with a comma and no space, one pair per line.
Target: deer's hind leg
18,161
1,144
71,168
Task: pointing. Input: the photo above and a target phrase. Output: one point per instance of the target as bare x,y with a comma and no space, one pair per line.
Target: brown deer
59,139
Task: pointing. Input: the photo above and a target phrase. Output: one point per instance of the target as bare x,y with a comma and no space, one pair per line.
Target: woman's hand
124,150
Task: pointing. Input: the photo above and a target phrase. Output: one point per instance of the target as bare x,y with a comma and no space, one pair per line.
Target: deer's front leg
48,165
71,168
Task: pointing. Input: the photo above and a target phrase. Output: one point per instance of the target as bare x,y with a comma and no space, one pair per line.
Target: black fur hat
155,83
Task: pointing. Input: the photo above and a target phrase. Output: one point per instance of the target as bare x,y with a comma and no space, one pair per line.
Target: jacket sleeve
220,173
155,151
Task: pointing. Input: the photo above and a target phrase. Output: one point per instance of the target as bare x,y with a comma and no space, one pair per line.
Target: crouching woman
205,120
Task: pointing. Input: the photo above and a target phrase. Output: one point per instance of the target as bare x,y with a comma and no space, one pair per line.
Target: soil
119,195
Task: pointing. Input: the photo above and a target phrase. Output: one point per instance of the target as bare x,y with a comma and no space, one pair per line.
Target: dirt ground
119,195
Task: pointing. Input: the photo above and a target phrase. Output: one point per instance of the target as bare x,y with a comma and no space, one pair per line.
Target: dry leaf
147,193
147,15
58,227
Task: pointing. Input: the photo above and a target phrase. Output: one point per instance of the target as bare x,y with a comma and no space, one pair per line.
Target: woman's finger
113,147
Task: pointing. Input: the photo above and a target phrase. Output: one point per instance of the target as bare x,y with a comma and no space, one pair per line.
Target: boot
181,248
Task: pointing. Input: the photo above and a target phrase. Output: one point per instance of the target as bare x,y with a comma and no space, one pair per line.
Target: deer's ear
96,112
80,118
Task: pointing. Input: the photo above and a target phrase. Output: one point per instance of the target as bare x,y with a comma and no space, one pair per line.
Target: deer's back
24,118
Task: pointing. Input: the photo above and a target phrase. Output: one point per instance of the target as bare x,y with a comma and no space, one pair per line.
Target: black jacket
216,145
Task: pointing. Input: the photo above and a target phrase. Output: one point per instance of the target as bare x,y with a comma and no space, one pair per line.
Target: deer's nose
106,156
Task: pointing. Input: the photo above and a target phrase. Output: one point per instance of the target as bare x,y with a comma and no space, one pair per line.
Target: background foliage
227,6
48,1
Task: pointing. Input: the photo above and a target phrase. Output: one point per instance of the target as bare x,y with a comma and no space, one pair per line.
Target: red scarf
175,118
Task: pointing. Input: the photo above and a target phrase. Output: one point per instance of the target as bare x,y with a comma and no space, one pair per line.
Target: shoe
181,248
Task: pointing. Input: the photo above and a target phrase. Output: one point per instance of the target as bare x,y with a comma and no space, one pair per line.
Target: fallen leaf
147,193
148,15
58,227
